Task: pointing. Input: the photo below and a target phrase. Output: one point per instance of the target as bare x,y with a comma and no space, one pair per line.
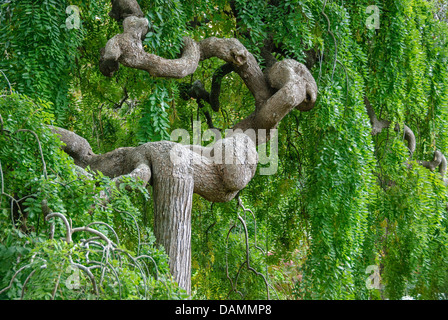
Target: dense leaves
340,202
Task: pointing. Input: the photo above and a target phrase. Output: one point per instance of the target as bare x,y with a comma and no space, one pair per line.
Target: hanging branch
233,286
248,266
13,278
44,266
347,96
247,260
240,203
89,273
2,189
9,84
44,169
13,200
44,165
109,249
1,124
334,39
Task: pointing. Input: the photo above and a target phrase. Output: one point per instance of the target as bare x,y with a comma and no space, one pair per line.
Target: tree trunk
173,186
172,224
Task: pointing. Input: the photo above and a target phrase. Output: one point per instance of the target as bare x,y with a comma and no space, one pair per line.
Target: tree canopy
356,209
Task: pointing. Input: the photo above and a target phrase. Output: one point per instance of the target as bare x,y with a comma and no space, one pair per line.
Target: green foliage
41,266
366,206
39,50
342,200
154,123
167,26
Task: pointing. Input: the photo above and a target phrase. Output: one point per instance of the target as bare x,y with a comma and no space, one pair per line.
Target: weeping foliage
342,200
38,50
38,179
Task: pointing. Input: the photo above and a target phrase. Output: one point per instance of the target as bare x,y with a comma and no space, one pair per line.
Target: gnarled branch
287,84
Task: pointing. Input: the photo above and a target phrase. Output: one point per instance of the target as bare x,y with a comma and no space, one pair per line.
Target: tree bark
172,224
173,185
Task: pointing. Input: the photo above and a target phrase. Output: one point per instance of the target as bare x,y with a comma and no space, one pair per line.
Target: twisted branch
272,101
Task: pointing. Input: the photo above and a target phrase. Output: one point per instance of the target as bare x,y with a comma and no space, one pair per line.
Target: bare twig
2,189
227,266
9,83
40,150
13,277
28,279
108,226
109,250
248,257
153,261
89,274
240,203
68,237
53,294
247,260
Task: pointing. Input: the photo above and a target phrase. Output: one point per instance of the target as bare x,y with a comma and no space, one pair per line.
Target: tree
217,173
360,185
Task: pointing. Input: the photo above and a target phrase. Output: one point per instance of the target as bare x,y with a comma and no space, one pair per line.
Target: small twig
40,150
240,203
233,289
346,79
89,274
321,57
13,277
28,279
227,265
248,255
67,225
53,294
9,83
2,189
247,260
105,257
13,201
136,225
153,261
108,226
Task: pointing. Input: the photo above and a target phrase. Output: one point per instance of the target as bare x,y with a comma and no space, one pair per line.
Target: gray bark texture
177,171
